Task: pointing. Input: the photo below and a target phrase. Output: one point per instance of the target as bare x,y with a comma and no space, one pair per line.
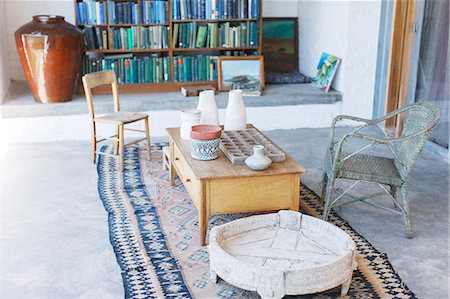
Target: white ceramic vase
258,161
189,118
208,107
235,116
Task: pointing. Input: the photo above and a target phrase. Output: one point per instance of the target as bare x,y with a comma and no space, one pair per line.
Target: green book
154,71
185,69
129,39
166,69
201,36
175,35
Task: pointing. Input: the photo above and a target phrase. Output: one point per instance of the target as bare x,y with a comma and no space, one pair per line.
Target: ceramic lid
206,132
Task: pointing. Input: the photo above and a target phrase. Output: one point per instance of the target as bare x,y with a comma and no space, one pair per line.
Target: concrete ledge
19,102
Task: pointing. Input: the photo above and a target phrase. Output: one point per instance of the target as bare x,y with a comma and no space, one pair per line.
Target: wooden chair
118,118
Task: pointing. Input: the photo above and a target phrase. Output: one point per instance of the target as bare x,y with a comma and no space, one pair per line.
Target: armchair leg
327,198
393,192
324,187
406,212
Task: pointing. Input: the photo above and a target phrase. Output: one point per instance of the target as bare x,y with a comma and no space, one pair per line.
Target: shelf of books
161,45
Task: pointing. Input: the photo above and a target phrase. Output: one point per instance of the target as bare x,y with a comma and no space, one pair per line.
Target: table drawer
251,194
190,182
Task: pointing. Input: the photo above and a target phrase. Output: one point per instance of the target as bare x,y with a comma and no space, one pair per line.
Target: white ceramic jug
189,118
208,107
235,116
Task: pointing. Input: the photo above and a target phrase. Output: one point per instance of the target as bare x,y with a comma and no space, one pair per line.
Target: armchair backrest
420,120
93,80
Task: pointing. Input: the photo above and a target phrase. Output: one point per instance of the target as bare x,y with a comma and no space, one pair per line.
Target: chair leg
94,144
122,146
327,198
406,212
324,187
117,142
147,139
393,192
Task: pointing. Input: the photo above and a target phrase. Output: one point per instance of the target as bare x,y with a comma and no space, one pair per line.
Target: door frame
400,67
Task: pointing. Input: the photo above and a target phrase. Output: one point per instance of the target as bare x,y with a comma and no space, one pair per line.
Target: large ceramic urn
50,51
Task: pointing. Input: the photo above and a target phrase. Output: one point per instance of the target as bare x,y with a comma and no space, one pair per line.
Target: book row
215,9
125,38
123,12
131,70
134,70
213,35
91,12
154,12
195,68
95,38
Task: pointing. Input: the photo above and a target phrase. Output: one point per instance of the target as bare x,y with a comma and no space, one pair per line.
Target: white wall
349,30
4,66
20,12
280,8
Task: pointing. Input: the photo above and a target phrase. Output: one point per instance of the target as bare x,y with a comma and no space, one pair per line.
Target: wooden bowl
205,132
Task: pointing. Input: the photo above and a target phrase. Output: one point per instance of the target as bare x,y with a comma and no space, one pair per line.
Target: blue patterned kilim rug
154,232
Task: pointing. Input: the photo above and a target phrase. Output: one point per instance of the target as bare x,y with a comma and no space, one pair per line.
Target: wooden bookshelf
170,52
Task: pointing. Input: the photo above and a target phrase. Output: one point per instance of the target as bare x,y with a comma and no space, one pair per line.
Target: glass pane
433,69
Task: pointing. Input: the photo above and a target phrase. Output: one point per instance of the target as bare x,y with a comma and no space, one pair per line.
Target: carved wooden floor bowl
285,253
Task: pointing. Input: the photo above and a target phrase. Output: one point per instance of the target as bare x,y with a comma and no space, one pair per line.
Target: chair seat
121,117
370,168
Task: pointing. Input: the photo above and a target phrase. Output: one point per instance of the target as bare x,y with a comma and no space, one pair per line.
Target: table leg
203,216
295,206
171,167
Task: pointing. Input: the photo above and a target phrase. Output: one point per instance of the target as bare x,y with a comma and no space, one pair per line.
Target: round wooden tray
286,253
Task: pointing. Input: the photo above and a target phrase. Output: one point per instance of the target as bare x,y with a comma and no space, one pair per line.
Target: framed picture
326,70
280,44
241,72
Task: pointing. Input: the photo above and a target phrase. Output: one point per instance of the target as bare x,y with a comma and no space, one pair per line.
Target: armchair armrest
366,122
353,118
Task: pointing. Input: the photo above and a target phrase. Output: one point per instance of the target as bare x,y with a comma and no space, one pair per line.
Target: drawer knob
188,180
177,159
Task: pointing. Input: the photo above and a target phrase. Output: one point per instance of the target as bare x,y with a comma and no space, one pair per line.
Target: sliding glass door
431,63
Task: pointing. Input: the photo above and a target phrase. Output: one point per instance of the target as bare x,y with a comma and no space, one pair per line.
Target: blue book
220,9
111,12
203,9
160,12
119,13
102,13
79,13
178,9
133,13
151,12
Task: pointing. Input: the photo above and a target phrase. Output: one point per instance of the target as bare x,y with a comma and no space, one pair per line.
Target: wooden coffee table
219,187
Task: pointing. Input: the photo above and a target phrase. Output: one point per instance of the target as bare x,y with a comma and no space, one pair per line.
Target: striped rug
154,232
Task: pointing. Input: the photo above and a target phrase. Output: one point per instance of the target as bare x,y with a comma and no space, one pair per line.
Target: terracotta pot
50,51
205,132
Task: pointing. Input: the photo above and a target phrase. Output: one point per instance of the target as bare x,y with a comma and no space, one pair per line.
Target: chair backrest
420,120
93,80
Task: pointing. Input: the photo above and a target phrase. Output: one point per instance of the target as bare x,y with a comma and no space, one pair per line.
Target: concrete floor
55,235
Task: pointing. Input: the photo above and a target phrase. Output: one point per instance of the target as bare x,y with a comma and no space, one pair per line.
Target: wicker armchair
390,174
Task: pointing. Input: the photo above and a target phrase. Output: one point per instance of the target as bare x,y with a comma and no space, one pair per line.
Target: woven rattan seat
371,168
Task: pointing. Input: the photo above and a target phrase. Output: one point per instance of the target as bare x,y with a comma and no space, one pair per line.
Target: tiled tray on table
238,146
